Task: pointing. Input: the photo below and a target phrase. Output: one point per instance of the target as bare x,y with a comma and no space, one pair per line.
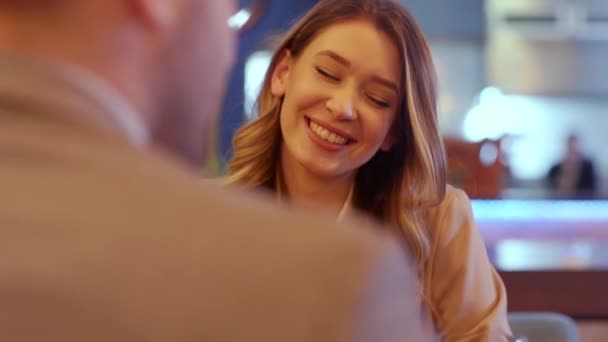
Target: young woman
348,121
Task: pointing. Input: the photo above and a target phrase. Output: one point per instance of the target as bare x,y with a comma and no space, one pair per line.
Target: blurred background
518,80
523,109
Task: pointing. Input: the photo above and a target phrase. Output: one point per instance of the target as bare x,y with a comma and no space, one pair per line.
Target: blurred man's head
170,58
196,66
572,148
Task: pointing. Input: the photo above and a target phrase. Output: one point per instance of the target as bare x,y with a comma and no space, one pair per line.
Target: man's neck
101,73
306,189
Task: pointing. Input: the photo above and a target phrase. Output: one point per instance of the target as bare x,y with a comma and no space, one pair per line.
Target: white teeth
332,138
324,134
327,135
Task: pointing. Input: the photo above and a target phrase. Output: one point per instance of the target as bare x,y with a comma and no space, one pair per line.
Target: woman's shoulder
451,218
458,272
455,202
452,194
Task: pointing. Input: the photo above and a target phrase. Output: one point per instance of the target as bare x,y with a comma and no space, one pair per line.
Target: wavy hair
395,187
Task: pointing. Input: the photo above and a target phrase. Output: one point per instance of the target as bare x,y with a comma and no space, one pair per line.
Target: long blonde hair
396,187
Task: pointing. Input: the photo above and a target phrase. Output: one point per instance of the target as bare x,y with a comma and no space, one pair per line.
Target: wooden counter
580,294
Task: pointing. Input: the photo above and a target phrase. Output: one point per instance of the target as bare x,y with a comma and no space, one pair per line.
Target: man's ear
156,14
280,74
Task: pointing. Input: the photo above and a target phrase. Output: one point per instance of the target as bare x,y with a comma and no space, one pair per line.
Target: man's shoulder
245,215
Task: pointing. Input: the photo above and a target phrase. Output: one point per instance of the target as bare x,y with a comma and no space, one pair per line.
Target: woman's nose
342,104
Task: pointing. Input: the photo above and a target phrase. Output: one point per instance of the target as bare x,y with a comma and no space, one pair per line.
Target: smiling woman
348,122
329,136
343,95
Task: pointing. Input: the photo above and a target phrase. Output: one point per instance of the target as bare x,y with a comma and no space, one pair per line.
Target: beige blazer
101,241
461,287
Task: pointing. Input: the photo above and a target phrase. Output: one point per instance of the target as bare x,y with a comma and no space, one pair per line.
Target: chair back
543,326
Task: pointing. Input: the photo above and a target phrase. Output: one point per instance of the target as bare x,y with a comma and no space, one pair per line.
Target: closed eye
378,101
327,74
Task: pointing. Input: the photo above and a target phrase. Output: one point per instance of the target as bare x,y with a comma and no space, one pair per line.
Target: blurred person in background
348,122
106,238
574,175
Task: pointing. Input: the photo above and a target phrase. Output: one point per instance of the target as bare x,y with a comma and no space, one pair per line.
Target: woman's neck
306,189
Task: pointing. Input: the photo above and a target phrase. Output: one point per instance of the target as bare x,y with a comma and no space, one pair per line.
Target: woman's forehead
359,43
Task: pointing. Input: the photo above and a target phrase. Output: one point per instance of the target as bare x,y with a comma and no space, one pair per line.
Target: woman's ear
280,74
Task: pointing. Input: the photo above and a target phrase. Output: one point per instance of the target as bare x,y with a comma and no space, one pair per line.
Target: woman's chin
324,169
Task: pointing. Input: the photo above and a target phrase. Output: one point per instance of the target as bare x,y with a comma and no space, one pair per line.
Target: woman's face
340,98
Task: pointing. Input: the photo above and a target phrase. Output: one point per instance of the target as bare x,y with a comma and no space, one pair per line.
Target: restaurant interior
522,84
